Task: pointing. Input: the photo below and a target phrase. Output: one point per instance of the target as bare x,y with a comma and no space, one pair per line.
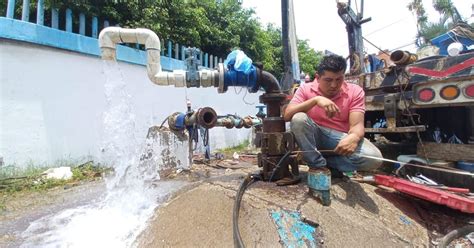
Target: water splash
120,216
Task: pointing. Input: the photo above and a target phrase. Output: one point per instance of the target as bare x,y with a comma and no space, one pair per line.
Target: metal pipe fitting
206,117
268,82
400,57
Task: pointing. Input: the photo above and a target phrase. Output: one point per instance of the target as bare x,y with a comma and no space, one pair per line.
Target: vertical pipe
40,13
183,56
54,18
69,20
82,24
176,51
206,60
10,9
95,26
106,23
25,12
170,45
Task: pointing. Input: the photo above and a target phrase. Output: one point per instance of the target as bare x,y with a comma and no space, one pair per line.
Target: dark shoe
335,173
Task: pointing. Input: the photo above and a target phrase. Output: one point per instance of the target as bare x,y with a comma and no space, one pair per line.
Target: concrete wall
52,103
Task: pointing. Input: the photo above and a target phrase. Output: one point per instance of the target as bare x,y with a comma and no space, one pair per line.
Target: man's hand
329,106
347,145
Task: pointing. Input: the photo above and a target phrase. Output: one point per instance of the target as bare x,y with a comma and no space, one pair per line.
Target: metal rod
429,166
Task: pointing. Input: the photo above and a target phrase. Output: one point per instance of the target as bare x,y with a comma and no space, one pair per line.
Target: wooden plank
445,151
409,129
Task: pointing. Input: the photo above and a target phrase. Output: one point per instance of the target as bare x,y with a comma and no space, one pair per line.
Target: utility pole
290,46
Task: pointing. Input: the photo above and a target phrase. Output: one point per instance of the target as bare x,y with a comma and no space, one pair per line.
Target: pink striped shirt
351,98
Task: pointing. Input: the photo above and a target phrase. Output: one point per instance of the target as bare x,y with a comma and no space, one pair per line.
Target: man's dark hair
333,63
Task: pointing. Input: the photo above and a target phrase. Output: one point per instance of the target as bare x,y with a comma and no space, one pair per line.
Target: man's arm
348,144
329,106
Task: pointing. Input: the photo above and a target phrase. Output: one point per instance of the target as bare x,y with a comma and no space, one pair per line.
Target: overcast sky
392,25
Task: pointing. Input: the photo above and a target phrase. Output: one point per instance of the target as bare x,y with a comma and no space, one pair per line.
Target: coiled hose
249,179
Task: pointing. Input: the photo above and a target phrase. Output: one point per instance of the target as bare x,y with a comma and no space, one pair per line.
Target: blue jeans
312,137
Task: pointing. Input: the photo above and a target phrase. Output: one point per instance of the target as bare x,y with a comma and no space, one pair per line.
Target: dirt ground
360,215
200,214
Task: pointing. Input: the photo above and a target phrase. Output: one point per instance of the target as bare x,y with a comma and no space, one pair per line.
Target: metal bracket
390,109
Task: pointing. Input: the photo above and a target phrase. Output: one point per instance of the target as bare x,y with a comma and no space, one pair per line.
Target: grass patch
238,148
33,179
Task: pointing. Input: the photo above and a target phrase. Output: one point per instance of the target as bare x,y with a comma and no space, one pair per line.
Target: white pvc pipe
110,36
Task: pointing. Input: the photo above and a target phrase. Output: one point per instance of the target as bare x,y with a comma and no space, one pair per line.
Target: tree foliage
215,26
429,30
308,58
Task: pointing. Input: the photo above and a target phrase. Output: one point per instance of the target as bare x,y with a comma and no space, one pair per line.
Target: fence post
40,13
69,20
54,18
183,55
82,24
25,12
95,26
176,51
211,61
106,23
170,45
206,60
201,58
11,9
216,59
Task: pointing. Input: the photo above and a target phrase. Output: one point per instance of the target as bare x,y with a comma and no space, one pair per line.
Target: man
328,114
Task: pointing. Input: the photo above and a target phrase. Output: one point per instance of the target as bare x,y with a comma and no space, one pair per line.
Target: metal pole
11,9
25,12
40,13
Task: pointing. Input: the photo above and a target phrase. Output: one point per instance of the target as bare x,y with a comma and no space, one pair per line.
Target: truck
423,106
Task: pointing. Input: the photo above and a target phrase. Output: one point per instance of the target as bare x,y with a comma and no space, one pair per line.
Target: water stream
134,191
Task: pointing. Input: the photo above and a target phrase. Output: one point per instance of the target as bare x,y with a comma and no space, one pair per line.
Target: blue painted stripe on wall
42,35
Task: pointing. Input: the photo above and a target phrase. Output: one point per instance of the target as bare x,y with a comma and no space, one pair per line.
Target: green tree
308,57
217,27
429,30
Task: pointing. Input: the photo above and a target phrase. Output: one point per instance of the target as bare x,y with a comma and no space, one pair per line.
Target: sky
392,25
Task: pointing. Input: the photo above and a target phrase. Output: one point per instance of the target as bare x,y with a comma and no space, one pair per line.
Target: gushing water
121,214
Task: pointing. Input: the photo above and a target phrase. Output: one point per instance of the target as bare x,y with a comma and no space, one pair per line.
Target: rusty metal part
274,146
206,117
277,143
237,122
274,124
287,168
390,109
172,121
273,101
400,57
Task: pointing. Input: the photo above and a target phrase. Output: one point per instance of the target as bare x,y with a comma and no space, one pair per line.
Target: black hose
454,234
249,179
279,164
163,123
